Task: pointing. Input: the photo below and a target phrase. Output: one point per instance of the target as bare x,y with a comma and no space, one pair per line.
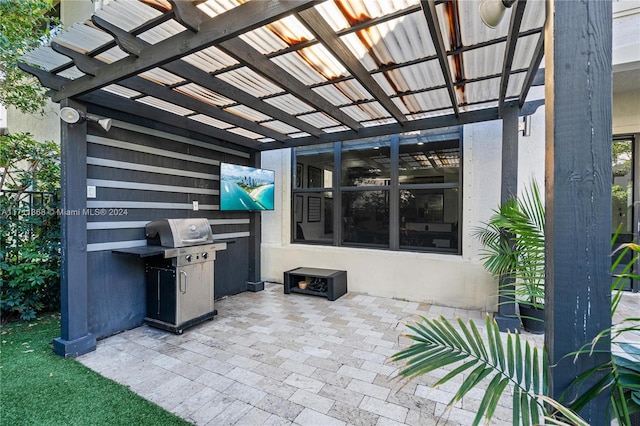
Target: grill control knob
188,257
205,255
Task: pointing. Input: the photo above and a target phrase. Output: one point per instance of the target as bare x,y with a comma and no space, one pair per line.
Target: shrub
29,226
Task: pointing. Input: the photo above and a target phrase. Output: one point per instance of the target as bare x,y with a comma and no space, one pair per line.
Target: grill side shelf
142,252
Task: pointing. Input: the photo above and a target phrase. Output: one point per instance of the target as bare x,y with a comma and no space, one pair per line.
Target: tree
24,25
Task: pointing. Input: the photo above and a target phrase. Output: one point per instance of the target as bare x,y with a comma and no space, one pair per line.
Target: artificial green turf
38,387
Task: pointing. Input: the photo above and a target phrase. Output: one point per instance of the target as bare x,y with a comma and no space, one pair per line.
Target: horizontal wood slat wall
143,174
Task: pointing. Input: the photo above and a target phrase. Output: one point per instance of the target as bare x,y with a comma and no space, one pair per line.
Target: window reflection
366,163
365,218
433,162
429,219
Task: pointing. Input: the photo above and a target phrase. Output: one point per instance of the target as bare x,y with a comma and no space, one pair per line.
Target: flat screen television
244,188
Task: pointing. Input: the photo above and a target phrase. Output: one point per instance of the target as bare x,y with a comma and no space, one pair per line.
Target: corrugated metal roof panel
112,55
366,111
424,101
336,129
482,90
210,59
205,119
45,58
162,32
422,75
311,65
379,122
278,35
126,14
83,38
515,84
161,76
246,133
163,105
357,11
248,113
525,49
216,7
299,135
121,91
204,95
476,64
330,12
344,92
249,81
479,106
393,42
71,73
472,29
399,37
281,127
534,15
429,114
319,119
290,104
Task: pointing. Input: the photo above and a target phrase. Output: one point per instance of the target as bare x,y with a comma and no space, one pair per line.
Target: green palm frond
514,244
438,343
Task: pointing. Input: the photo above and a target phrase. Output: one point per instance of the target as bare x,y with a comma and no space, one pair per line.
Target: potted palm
514,247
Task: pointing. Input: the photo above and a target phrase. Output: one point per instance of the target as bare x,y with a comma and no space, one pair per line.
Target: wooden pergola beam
534,74
510,49
232,23
158,91
578,174
245,53
119,103
429,10
323,32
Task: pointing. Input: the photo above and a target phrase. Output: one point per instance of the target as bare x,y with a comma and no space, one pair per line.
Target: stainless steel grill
179,268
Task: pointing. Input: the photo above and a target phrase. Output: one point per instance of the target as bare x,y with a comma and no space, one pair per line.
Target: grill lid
179,232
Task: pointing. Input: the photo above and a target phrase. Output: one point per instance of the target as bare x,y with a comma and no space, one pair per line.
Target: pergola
266,75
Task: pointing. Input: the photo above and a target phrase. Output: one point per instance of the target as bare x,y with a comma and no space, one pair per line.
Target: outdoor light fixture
72,116
492,11
525,126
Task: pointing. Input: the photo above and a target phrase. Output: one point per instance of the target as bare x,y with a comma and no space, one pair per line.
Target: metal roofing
273,74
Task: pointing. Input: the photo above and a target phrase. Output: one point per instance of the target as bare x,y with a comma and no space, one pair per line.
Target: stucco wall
451,280
626,111
43,127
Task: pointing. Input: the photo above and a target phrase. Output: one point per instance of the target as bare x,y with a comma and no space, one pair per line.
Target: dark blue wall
126,165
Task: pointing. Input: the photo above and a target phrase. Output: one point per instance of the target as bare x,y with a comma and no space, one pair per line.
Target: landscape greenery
518,367
514,246
29,227
24,25
41,388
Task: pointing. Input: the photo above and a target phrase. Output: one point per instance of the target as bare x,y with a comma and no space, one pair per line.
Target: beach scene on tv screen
245,188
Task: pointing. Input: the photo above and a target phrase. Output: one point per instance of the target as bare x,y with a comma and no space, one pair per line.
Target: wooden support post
254,282
507,317
75,338
578,190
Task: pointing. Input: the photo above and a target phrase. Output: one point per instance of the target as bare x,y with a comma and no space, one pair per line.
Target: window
396,193
623,195
312,199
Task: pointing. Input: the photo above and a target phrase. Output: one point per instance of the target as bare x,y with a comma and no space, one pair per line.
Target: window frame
394,188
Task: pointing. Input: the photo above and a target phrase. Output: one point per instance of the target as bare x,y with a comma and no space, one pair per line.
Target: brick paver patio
275,359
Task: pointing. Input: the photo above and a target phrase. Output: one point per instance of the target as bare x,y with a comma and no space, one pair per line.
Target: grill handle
183,281
196,240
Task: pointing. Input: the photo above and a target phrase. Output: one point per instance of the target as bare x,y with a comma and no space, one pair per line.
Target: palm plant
514,246
621,374
438,343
